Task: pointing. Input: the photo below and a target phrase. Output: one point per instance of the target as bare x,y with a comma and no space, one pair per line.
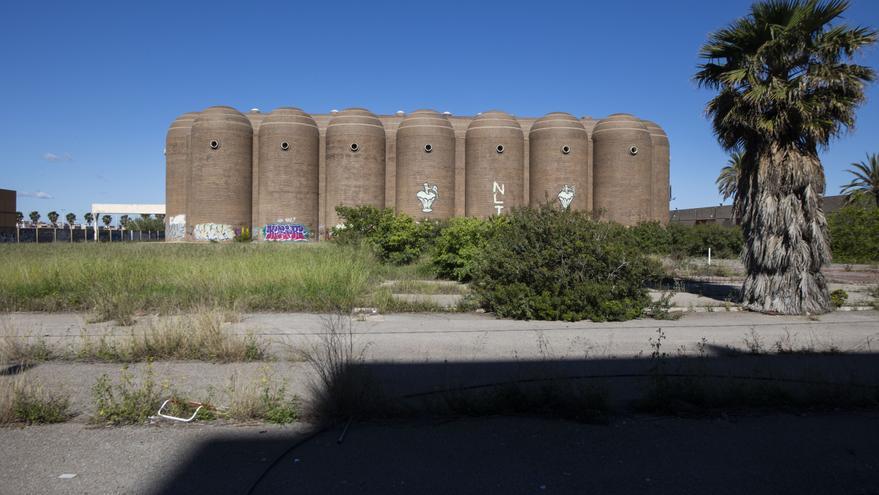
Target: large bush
456,248
854,234
396,239
651,237
552,264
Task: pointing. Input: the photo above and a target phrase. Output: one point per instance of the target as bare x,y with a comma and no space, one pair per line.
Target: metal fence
61,234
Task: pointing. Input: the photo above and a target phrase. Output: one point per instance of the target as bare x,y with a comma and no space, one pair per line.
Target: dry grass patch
23,400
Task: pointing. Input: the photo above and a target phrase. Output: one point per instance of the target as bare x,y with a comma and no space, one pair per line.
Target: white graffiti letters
213,232
566,196
176,227
498,203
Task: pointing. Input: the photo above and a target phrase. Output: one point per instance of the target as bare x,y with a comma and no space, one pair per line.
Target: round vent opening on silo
355,147
633,150
566,149
428,148
285,146
500,148
215,144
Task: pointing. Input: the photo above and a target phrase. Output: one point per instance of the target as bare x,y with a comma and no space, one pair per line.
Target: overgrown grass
25,401
203,335
115,281
264,400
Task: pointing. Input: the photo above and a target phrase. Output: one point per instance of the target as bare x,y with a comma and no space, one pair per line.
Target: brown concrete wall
7,208
354,177
422,173
288,170
220,179
494,176
621,175
177,173
559,162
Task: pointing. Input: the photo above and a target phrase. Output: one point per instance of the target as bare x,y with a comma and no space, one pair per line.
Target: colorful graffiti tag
176,227
285,232
213,232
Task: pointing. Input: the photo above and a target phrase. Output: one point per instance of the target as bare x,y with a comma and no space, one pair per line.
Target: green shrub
854,234
552,264
396,239
838,298
127,402
651,237
455,250
694,240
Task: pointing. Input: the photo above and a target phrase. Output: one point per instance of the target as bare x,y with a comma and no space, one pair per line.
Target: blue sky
88,89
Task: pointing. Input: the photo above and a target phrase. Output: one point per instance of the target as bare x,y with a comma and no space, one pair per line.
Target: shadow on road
718,423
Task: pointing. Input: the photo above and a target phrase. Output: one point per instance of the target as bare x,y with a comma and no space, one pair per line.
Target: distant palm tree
866,181
35,221
123,221
19,217
785,87
728,180
89,218
145,216
53,218
106,219
71,219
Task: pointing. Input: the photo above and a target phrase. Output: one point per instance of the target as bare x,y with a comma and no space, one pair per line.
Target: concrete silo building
287,201
494,180
559,170
425,178
219,200
177,175
355,161
621,173
659,173
283,173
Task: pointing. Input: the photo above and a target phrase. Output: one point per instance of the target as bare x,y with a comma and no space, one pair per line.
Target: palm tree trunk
786,239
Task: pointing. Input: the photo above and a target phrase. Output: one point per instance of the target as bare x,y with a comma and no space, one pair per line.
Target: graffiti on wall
498,202
427,196
213,232
566,196
176,227
284,232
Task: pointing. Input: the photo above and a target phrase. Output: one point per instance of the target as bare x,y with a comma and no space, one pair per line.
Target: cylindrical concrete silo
622,169
559,162
220,178
287,202
355,162
659,173
426,166
494,176
177,164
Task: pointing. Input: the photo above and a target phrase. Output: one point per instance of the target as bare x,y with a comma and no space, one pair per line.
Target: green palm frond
728,180
865,182
783,74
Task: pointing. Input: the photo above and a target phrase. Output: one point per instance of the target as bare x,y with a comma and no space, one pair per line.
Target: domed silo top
426,118
557,120
289,115
354,117
619,121
493,119
654,130
184,121
222,114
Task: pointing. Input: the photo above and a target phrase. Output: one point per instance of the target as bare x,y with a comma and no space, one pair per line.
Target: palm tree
107,219
53,218
89,218
71,219
728,180
35,219
785,88
866,181
19,217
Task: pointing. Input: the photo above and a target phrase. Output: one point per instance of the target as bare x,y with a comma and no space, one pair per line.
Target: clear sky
89,89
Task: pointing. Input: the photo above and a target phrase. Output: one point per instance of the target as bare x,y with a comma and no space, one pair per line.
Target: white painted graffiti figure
566,196
176,227
213,232
427,196
498,203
